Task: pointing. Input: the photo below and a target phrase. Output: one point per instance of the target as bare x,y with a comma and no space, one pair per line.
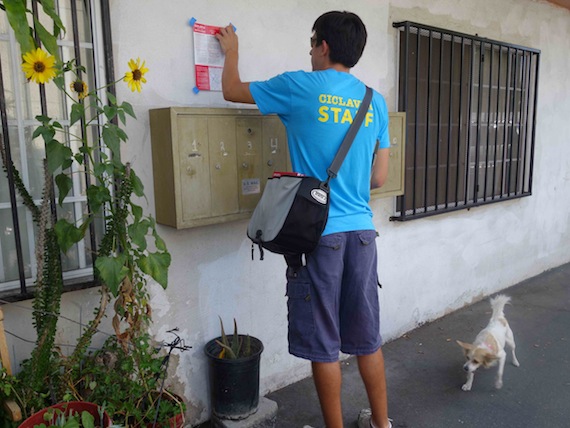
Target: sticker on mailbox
250,186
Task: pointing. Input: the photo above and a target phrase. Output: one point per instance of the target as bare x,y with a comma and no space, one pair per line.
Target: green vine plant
131,250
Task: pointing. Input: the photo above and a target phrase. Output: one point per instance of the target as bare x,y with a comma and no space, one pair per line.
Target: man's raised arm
232,87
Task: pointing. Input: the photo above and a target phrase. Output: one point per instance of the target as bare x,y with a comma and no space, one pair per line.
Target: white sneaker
365,419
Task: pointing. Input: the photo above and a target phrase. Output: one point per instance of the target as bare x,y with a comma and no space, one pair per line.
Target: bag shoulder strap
332,171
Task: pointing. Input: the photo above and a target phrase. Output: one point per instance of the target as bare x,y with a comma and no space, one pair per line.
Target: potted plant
131,383
124,262
234,374
73,414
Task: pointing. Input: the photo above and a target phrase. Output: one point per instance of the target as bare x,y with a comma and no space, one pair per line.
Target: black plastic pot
234,384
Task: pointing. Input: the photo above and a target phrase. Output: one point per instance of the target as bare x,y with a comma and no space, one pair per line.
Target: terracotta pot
68,407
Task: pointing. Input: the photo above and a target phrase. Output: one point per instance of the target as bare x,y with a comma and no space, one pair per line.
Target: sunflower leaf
59,82
37,132
99,169
77,112
43,119
156,265
128,108
137,232
158,241
64,185
110,112
49,8
122,116
122,134
16,13
68,235
111,138
67,163
137,211
48,39
97,196
112,98
47,132
57,154
138,187
112,271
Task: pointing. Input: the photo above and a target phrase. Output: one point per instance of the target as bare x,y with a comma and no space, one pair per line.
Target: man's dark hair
345,34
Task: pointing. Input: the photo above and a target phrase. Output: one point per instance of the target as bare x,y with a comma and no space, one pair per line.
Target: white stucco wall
428,267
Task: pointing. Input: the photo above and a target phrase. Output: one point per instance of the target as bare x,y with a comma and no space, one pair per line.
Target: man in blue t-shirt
342,312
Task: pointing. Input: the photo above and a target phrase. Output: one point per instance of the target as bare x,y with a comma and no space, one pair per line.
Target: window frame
467,137
98,51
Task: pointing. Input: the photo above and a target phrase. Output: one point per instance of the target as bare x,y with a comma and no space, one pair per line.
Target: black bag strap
332,171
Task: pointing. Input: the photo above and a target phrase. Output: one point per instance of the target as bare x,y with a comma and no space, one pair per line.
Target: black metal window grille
87,39
470,106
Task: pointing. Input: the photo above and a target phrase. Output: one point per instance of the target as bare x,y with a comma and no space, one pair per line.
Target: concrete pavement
424,369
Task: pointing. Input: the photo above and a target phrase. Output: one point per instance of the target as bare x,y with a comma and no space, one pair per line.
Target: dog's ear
489,359
466,346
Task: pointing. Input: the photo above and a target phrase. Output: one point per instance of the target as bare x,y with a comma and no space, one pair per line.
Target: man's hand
380,168
232,86
228,39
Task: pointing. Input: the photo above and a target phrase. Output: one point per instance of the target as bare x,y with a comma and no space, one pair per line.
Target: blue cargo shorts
333,300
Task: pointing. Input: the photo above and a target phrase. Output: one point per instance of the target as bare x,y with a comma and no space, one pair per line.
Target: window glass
9,258
470,107
7,75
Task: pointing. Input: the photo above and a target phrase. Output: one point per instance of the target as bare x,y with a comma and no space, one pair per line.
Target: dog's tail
498,304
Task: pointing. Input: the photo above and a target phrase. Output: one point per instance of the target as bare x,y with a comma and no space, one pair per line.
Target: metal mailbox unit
394,185
210,165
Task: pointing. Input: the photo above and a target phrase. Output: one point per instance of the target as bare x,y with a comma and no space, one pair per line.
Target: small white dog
489,345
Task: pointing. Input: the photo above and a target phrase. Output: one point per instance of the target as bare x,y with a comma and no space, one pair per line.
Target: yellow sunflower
80,88
39,66
136,75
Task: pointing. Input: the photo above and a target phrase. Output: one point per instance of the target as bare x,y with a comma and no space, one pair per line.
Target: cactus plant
234,347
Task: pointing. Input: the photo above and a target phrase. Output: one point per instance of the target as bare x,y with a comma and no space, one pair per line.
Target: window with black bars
87,39
470,106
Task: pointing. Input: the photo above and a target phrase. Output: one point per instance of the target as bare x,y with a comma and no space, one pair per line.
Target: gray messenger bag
293,210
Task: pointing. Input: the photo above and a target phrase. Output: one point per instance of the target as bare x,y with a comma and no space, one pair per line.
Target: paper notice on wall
208,58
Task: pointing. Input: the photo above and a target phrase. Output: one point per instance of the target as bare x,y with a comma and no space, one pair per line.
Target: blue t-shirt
317,109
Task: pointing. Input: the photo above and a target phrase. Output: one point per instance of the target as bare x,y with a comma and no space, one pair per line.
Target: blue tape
192,22
195,89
